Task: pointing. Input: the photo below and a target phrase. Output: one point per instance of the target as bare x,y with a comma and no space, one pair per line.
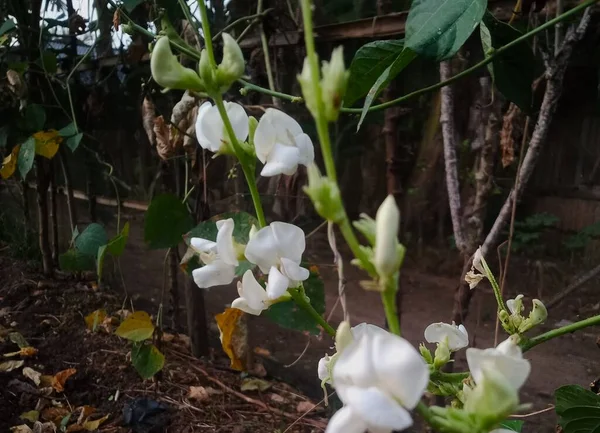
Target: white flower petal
401,370
213,129
277,284
355,367
204,142
216,273
510,348
285,125
377,409
456,337
306,150
514,370
253,292
346,421
294,271
203,245
282,160
366,329
262,249
239,120
290,240
264,138
242,304
322,369
225,246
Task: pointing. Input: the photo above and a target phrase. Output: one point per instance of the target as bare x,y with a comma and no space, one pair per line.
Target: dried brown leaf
198,393
55,414
35,376
234,337
7,366
148,115
59,379
164,147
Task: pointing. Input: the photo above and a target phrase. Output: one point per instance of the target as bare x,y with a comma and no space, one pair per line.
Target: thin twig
339,262
307,412
301,355
526,415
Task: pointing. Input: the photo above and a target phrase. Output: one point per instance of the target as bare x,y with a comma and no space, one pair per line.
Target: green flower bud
366,225
426,354
442,355
305,80
169,73
232,66
492,399
207,73
325,195
387,258
334,83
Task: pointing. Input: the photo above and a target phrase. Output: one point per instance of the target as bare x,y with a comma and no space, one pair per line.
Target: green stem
542,338
265,48
303,302
448,377
206,31
241,20
251,181
188,15
354,245
388,297
428,415
249,86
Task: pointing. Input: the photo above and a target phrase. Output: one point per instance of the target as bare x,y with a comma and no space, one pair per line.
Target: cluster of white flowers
277,250
380,377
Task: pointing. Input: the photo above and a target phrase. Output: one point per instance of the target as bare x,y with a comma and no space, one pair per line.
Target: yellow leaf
94,425
94,319
10,163
59,379
10,365
234,337
47,142
32,416
137,327
253,384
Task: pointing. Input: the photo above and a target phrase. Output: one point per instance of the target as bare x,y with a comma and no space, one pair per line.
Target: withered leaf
234,336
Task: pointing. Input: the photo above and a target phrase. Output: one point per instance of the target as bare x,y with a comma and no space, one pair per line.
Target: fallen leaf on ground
55,414
94,425
277,398
234,336
58,382
86,411
21,429
10,365
304,406
35,376
94,319
262,352
198,393
252,384
18,339
137,327
25,352
31,416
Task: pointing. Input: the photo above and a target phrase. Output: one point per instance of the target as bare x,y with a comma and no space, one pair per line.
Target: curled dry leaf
23,428
18,339
512,127
164,147
94,425
35,376
85,412
234,336
198,393
55,414
148,115
182,108
59,379
15,82
7,366
24,352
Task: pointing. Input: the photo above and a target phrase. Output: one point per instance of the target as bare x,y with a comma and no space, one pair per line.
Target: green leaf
438,28
136,327
68,131
288,315
514,71
578,409
75,261
147,359
73,142
166,221
100,261
35,117
116,245
401,62
48,62
7,26
91,239
26,157
369,62
512,425
131,4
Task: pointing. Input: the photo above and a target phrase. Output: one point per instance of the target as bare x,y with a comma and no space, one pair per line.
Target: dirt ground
428,286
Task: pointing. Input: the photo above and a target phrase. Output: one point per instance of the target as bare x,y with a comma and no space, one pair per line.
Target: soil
428,282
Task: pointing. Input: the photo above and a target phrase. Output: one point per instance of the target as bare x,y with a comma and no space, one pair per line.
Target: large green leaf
35,117
116,245
166,221
91,239
438,28
7,26
73,142
131,4
26,157
288,315
100,261
512,425
243,222
515,70
147,359
402,61
369,62
75,261
578,409
68,131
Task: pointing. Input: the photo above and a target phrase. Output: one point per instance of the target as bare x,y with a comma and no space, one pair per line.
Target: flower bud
442,355
232,66
366,225
426,354
492,399
206,71
334,83
387,260
169,73
325,195
538,314
343,336
305,80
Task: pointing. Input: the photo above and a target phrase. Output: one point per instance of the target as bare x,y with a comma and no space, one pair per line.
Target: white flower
168,72
210,129
515,306
379,377
455,337
219,257
277,250
506,359
477,272
387,258
253,298
280,144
